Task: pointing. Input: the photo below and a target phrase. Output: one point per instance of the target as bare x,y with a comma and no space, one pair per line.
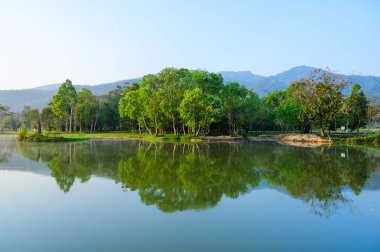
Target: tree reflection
319,176
188,177
177,177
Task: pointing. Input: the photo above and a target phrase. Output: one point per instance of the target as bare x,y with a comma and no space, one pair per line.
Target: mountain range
39,97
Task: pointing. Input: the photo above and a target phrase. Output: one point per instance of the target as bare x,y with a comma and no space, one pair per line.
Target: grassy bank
35,137
370,139
66,137
356,139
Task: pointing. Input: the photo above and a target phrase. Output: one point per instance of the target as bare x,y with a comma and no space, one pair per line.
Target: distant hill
39,97
262,84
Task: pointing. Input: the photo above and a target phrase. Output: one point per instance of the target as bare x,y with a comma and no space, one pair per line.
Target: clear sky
91,42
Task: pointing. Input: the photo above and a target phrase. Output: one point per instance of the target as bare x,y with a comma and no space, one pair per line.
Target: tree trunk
71,119
322,132
96,121
199,129
174,128
155,125
39,126
146,126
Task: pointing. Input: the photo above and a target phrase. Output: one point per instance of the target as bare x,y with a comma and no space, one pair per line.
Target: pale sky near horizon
92,42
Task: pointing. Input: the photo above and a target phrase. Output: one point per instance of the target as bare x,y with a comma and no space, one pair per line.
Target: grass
356,139
78,136
36,137
373,139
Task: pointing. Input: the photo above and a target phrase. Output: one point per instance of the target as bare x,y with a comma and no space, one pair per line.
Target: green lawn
63,137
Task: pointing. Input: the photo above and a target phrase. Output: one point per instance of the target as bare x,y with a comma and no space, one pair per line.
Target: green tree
239,105
170,94
107,116
63,104
271,103
24,118
6,118
148,94
322,98
209,83
130,106
199,110
49,121
85,110
373,113
35,120
356,108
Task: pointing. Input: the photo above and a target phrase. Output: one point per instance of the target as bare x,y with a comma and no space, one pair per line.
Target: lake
131,195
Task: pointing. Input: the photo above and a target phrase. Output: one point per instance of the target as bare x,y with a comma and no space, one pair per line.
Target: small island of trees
197,102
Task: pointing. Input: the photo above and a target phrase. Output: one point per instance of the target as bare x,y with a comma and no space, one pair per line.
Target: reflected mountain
177,177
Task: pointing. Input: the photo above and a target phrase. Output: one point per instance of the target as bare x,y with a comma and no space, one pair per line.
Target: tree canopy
198,102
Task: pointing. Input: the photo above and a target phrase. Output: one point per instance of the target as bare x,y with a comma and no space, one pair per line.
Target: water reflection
177,177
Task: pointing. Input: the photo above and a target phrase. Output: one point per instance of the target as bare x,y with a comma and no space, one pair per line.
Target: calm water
117,195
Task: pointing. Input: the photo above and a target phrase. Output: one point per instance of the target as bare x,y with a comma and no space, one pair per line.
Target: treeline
182,101
69,111
196,102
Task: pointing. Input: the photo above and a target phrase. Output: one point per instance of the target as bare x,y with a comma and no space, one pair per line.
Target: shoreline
294,139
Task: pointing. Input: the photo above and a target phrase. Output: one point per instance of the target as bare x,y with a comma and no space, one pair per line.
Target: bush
23,133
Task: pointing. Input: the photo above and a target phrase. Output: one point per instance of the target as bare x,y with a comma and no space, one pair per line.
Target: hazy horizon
113,81
94,42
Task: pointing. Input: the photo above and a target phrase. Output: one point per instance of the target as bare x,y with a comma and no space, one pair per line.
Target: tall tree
199,110
170,94
64,102
48,120
35,119
239,105
356,108
373,113
7,119
130,106
148,94
322,96
24,118
85,109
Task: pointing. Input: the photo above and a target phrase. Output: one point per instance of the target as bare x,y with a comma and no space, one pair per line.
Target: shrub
23,133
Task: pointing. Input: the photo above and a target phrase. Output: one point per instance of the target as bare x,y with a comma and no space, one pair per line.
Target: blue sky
92,42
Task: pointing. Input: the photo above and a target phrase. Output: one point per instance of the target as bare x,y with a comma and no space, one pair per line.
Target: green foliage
239,104
178,177
197,102
365,139
321,97
199,110
8,119
35,119
107,115
63,104
85,111
178,100
23,133
356,108
48,120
